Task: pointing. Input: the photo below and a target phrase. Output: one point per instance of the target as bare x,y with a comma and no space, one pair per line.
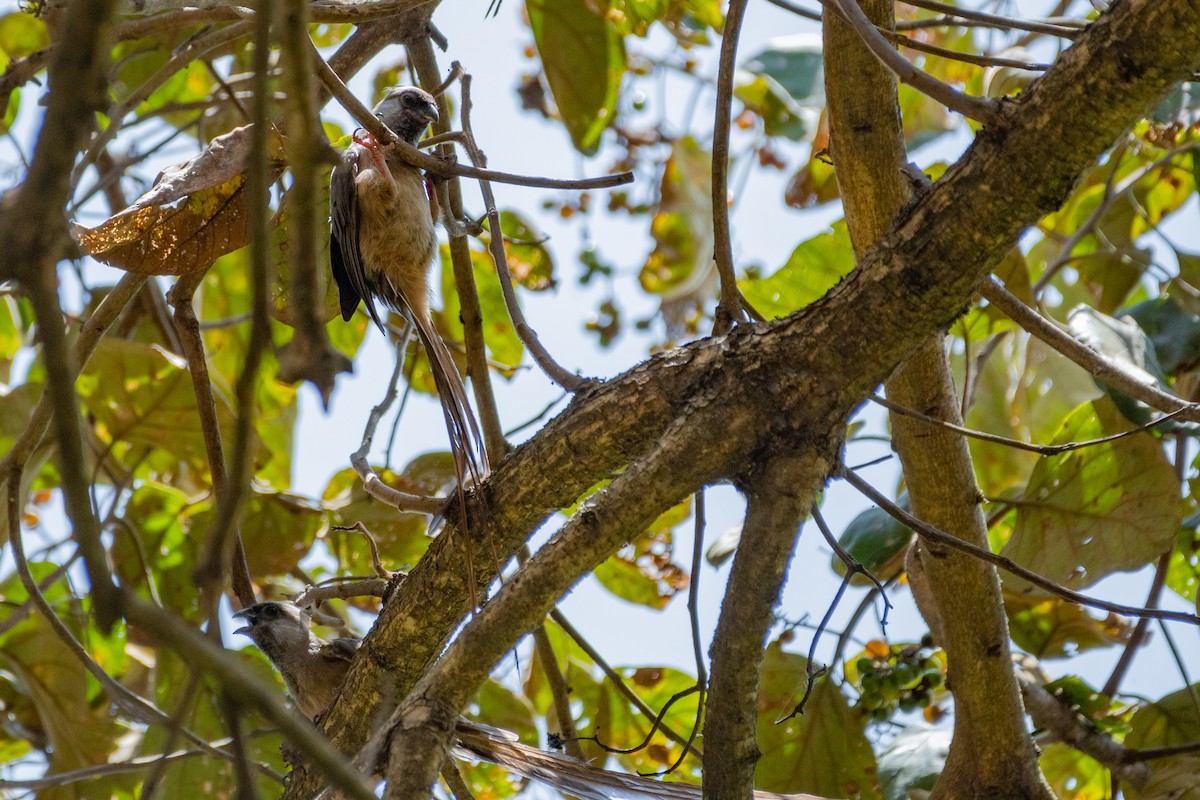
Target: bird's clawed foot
376,148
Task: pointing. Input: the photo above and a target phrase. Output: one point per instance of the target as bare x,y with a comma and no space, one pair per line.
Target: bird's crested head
408,111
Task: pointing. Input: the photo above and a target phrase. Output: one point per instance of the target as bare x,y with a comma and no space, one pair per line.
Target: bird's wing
345,258
342,649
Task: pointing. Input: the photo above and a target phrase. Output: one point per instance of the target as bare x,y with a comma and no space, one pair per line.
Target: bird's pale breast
396,233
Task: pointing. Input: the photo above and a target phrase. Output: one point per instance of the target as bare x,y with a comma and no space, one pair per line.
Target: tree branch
778,496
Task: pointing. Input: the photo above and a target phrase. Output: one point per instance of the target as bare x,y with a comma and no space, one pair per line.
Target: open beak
245,614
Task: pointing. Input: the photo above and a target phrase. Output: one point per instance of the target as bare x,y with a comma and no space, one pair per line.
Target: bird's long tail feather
576,778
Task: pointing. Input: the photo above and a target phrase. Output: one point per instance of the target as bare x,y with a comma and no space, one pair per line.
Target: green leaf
642,572
763,95
636,16
158,552
913,760
78,729
795,64
1072,775
584,60
1183,571
877,541
815,267
1122,341
20,35
628,727
1174,719
400,535
1173,330
1054,628
824,750
1097,510
278,530
11,109
143,407
529,260
499,336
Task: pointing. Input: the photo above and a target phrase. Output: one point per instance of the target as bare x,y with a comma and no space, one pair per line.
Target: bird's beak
431,115
247,615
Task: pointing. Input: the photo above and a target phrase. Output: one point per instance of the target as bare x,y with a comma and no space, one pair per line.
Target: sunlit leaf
660,688
1054,628
20,35
1072,775
504,347
77,727
172,240
400,535
636,16
824,750
140,398
584,59
529,260
1097,510
814,267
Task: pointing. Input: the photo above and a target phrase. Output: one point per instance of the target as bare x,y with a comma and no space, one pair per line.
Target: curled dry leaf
194,213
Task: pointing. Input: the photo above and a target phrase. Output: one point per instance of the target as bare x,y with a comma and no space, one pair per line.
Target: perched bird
311,667
314,669
382,244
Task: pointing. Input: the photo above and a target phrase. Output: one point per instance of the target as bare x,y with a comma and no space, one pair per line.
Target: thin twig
618,681
450,200
440,167
979,60
221,542
344,590
556,373
940,537
1100,366
372,483
192,345
729,307
1052,29
693,606
130,703
1017,444
853,567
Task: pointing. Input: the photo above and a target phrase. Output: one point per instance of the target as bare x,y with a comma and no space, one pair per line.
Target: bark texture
778,497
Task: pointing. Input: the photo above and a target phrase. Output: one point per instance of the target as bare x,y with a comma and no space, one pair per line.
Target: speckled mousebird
382,244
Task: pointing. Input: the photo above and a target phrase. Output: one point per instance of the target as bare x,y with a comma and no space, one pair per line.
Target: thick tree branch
779,494
813,368
425,721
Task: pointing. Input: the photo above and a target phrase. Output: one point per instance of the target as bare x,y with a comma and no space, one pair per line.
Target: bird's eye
271,611
409,100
